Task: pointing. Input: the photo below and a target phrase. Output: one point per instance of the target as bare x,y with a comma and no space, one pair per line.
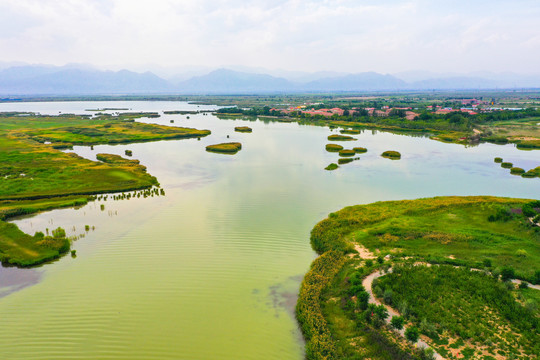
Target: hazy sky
342,35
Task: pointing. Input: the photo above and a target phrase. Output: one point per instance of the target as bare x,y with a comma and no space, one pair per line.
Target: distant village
469,106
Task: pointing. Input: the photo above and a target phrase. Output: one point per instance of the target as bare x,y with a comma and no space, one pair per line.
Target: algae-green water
211,270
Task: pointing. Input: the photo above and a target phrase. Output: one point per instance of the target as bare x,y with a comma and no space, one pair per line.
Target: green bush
319,341
507,165
498,160
397,322
412,334
507,273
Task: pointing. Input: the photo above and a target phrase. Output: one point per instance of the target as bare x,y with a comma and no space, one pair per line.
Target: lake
211,270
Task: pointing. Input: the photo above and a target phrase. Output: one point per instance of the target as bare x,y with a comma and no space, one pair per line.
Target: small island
337,137
244,129
333,147
360,150
332,166
347,152
225,148
346,160
390,154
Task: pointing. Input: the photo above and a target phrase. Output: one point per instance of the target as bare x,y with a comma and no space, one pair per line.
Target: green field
486,233
36,176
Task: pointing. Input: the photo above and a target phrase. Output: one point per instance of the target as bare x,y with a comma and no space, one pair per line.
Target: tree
507,273
397,322
412,334
362,298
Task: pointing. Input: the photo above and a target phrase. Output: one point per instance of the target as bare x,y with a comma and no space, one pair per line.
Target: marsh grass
333,147
244,129
390,154
225,148
336,137
332,166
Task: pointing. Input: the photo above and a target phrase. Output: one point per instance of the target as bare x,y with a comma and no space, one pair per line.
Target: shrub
507,273
498,160
507,165
397,322
369,262
502,214
388,296
521,253
412,334
59,233
362,299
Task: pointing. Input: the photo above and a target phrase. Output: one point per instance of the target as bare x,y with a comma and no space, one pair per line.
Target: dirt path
367,283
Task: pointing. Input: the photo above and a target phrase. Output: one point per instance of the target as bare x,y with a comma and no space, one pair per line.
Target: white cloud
342,35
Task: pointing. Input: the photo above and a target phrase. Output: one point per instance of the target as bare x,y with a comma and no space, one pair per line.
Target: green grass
33,170
225,148
37,176
21,249
440,228
463,231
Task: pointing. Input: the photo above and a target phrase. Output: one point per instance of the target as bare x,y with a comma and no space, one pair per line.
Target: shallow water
212,269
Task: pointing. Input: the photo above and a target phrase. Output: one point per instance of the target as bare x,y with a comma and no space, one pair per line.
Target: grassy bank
471,232
36,176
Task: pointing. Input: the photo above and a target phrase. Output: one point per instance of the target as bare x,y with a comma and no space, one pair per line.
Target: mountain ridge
82,79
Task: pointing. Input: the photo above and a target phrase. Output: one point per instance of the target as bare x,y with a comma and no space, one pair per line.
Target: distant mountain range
86,80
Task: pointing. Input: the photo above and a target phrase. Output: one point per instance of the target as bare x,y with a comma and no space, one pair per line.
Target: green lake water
212,269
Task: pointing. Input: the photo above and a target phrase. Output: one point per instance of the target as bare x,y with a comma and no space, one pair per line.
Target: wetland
211,269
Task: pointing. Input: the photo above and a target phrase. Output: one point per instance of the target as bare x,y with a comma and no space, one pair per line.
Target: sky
317,35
